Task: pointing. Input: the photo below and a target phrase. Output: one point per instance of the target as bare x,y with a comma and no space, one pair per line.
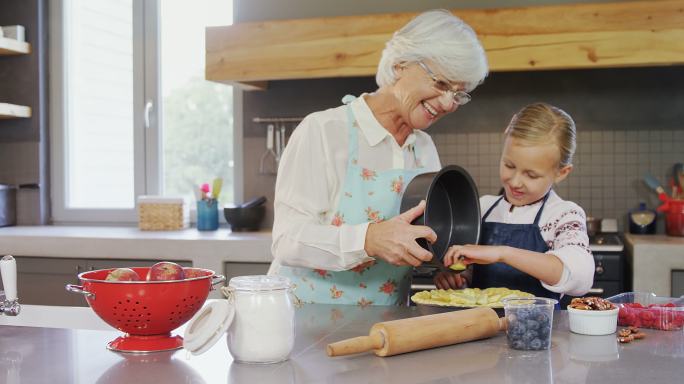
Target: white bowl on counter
587,322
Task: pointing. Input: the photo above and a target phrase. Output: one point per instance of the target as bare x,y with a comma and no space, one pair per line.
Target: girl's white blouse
563,227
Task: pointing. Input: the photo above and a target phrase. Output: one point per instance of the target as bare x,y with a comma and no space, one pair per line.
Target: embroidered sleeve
566,236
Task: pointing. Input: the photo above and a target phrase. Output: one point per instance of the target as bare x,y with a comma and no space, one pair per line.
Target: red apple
122,274
165,270
191,273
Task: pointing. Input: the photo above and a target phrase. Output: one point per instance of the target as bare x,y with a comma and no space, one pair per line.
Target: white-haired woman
337,230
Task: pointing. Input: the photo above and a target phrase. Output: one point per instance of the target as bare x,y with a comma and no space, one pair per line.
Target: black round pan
452,210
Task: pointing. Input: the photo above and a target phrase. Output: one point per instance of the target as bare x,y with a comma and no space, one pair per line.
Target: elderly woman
337,231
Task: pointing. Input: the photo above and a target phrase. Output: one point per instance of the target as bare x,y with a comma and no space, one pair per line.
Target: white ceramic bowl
587,322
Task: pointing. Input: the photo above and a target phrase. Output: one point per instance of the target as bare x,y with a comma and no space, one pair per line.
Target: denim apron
368,196
523,236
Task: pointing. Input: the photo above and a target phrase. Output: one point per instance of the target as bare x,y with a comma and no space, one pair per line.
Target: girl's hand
477,254
450,280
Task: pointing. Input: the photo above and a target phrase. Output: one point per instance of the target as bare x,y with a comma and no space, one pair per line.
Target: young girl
531,239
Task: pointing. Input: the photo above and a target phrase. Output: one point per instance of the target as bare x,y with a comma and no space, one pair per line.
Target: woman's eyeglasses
460,97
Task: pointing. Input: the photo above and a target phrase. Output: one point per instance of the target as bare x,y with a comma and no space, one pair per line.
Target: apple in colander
122,274
164,271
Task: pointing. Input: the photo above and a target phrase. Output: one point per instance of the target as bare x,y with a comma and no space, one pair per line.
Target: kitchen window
131,113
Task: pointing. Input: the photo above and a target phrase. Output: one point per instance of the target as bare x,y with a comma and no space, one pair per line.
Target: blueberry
542,318
516,330
535,344
529,336
522,314
544,331
532,324
517,344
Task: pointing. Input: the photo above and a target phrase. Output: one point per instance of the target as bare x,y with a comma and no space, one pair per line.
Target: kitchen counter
652,259
205,249
33,353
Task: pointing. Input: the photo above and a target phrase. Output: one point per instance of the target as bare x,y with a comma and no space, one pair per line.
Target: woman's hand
450,280
394,240
478,254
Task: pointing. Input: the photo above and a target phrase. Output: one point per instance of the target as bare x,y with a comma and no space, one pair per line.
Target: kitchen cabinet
569,36
41,280
242,269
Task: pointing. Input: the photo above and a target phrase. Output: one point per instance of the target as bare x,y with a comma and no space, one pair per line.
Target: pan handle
79,289
216,280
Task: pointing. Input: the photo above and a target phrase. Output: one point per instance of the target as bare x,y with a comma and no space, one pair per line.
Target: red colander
147,311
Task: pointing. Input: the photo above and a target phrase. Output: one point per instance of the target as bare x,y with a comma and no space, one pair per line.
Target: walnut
591,304
626,339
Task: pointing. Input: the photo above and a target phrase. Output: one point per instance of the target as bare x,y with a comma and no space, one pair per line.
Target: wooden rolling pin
417,333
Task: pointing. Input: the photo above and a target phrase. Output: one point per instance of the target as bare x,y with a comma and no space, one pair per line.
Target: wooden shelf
574,36
13,47
13,111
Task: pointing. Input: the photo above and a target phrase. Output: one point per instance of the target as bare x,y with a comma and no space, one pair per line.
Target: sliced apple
459,266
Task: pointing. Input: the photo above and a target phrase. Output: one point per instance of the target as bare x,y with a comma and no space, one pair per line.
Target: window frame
147,118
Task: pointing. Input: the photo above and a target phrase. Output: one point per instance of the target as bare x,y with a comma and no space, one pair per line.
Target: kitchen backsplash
630,122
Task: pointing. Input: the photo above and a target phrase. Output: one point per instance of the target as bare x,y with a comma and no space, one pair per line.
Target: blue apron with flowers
368,196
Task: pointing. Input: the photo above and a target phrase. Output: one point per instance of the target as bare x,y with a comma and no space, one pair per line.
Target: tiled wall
608,166
630,121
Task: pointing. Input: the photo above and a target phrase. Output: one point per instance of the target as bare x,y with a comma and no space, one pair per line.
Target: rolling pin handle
503,325
356,345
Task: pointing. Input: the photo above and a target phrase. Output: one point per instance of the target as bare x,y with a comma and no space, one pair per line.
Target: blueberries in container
529,323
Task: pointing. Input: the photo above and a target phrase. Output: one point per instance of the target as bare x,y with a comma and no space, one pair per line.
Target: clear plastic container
646,310
529,322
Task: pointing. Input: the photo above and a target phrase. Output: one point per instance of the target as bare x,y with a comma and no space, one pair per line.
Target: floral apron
368,196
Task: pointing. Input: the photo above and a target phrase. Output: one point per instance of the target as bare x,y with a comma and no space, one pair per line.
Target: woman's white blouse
563,228
311,176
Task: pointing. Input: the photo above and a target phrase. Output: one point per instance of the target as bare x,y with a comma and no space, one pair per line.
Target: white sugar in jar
263,329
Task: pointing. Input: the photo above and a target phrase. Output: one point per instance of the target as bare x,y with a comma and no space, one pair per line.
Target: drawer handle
596,291
599,268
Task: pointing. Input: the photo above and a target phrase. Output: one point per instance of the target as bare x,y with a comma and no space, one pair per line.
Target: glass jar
263,329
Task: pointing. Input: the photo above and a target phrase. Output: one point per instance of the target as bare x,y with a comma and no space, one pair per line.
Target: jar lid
208,326
259,283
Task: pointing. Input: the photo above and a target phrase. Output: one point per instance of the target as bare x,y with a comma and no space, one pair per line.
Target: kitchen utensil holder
276,137
268,164
207,215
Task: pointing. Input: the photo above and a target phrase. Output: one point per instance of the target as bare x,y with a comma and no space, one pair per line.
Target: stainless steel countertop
30,354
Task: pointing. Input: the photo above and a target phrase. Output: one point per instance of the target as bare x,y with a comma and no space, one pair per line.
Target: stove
606,242
610,276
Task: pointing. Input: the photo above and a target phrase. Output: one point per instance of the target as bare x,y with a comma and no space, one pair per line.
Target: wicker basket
157,213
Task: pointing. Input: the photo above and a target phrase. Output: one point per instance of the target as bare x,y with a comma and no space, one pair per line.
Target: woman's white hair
441,38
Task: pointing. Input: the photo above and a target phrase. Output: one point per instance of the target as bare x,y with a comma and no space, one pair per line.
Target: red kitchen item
646,310
674,217
147,311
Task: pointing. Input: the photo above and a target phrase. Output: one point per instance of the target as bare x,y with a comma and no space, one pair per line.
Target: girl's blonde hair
541,123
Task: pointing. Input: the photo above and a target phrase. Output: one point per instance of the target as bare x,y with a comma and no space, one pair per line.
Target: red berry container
147,311
646,310
674,218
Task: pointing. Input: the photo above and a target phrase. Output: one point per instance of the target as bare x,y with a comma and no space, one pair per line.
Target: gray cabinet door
241,269
41,281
